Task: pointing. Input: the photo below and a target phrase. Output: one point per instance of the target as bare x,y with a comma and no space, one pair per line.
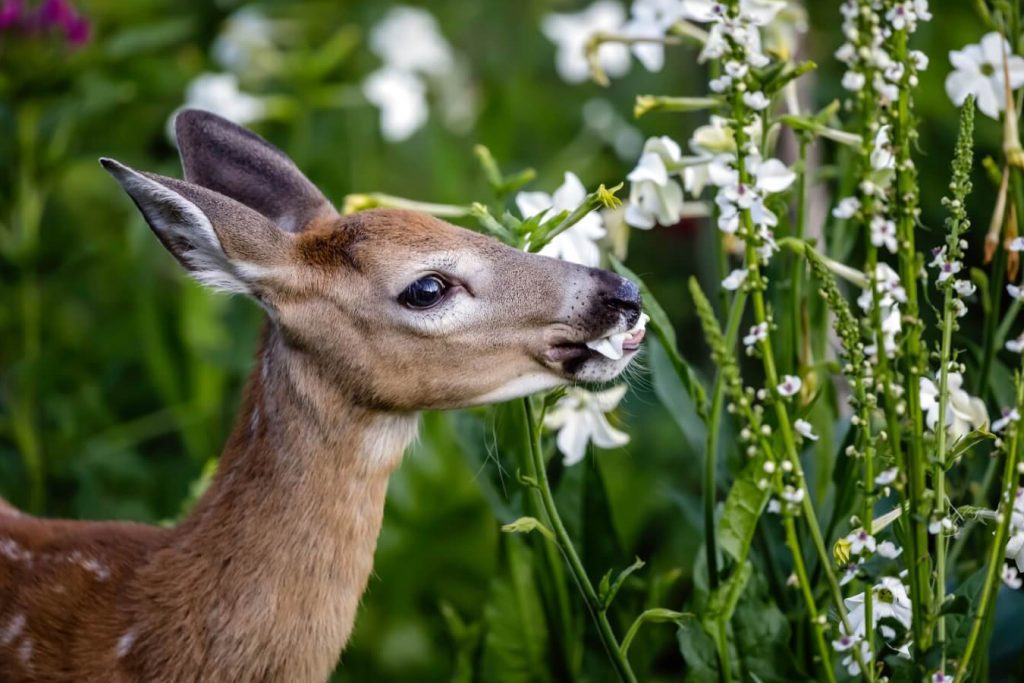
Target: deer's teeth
611,346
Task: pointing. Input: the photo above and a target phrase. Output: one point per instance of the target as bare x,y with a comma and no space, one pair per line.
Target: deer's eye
426,292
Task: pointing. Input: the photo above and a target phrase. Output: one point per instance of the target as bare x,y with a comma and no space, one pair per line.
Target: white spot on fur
14,552
13,629
25,651
96,568
124,643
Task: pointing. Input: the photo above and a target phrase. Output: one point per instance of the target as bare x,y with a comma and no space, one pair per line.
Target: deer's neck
280,548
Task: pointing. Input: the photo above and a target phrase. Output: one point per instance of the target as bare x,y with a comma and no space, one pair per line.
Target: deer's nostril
625,298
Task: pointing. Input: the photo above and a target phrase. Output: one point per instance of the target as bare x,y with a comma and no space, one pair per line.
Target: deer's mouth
613,349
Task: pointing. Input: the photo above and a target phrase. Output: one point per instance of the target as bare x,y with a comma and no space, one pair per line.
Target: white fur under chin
387,440
600,369
519,387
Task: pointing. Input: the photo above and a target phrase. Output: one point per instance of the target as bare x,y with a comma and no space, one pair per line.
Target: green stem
590,597
805,587
711,458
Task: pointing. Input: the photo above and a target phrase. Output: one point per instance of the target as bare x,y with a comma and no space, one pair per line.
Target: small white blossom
1017,244
1015,291
890,600
402,99
774,506
735,279
843,643
1016,345
847,208
887,477
1015,549
579,417
790,385
1011,577
1009,415
758,333
794,495
963,411
889,550
883,233
854,81
882,156
804,429
219,94
861,541
756,100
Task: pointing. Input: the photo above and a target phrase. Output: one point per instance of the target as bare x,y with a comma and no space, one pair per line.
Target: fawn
370,318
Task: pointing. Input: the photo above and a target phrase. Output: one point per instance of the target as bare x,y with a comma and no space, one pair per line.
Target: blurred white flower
804,429
219,93
579,417
409,38
882,156
963,411
757,334
978,71
651,19
246,45
570,33
655,197
1008,415
402,100
850,661
735,279
886,477
793,494
1015,549
790,385
846,208
1011,577
578,244
1017,244
757,12
883,233
889,550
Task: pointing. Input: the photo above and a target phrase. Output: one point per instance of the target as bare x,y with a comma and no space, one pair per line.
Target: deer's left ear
221,242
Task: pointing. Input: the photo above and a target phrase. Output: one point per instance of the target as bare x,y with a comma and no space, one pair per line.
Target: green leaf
516,641
662,328
698,649
743,508
965,444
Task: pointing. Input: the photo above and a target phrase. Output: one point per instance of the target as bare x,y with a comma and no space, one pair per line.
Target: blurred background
119,377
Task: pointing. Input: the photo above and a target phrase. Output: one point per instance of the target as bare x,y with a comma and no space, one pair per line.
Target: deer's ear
229,159
219,241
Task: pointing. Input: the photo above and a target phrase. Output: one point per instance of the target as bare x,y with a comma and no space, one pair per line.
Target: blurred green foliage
119,377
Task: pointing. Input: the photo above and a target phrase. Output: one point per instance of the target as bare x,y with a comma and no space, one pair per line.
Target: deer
371,318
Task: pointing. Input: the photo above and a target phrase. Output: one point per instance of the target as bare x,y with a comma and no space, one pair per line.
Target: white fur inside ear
180,222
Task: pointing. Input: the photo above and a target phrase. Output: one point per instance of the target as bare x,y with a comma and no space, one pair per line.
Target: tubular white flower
655,197
402,100
963,411
735,279
804,429
651,19
579,418
220,94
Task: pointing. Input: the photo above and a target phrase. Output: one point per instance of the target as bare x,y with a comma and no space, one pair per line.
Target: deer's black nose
624,297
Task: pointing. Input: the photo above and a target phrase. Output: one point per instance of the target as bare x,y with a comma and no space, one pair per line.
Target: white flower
772,175
883,233
793,495
579,417
849,573
964,287
219,93
853,81
1015,291
889,550
1016,345
774,506
860,541
756,100
881,153
804,429
963,411
757,12
570,33
578,244
402,100
850,661
939,677
655,197
1008,415
978,71
246,45
1015,549
790,385
409,39
735,279
758,333
843,643
887,477
651,19
846,208
1017,244
1011,577
890,600
943,525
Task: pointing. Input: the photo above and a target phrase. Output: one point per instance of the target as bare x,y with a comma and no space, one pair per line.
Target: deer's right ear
229,159
222,243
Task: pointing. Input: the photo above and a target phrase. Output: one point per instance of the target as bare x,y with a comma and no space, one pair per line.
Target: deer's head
399,309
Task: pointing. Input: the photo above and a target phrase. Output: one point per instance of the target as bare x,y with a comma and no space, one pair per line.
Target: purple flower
10,13
55,13
77,29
